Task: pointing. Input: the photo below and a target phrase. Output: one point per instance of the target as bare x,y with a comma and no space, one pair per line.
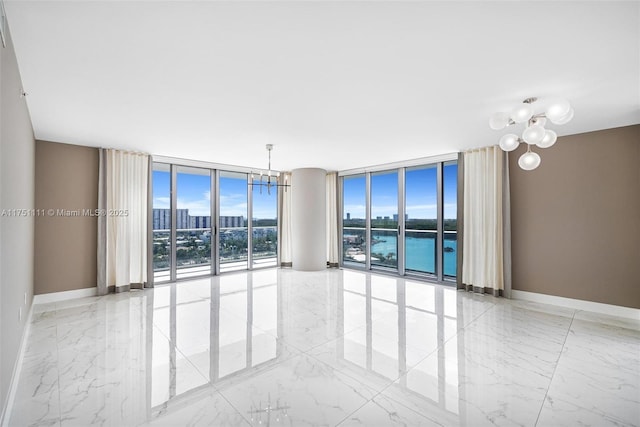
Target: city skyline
184,220
420,194
194,193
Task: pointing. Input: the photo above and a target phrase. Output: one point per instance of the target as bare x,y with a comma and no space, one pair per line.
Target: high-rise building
232,221
162,219
182,218
199,221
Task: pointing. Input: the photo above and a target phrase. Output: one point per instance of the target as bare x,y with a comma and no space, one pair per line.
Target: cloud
238,209
200,207
161,203
356,211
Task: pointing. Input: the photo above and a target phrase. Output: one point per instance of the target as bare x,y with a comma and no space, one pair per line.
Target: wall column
308,212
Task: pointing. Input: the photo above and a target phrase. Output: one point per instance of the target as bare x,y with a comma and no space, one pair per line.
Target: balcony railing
420,249
193,250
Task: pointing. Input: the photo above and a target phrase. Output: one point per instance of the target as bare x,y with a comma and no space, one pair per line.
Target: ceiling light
266,179
499,121
533,134
549,139
529,160
521,113
557,109
558,112
509,142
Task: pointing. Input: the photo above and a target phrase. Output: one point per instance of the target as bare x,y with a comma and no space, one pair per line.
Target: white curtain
486,258
122,229
284,222
332,219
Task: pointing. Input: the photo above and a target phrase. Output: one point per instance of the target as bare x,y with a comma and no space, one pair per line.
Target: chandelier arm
268,183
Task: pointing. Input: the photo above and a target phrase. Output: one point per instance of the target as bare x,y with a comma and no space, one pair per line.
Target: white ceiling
337,85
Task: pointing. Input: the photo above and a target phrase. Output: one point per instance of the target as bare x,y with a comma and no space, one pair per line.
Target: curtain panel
486,222
332,219
122,226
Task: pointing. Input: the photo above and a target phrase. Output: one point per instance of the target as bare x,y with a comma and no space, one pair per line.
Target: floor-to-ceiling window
421,219
161,222
407,220
354,239
450,215
384,219
234,236
208,221
193,222
264,220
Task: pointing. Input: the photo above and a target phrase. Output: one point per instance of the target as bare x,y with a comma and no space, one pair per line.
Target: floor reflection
336,347
210,325
406,321
214,329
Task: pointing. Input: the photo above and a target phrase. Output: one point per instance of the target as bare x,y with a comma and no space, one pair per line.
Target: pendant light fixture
269,179
558,112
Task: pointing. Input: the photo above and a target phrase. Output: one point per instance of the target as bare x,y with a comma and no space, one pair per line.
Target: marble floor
278,347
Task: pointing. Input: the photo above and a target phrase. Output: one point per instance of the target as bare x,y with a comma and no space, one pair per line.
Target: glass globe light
498,120
540,121
565,119
522,113
549,139
509,142
557,110
529,161
533,134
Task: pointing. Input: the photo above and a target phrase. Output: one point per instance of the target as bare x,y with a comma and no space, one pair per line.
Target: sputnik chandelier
558,112
269,183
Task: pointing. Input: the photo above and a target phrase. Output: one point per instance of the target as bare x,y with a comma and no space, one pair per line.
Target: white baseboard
576,304
65,295
5,417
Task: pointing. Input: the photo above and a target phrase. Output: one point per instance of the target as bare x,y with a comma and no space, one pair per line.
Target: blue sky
194,194
420,186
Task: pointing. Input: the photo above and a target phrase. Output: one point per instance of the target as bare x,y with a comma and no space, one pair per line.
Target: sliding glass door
354,232
200,222
384,220
161,222
193,222
405,222
450,215
234,235
264,219
421,221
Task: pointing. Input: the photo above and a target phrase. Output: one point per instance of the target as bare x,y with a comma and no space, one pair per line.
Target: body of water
420,251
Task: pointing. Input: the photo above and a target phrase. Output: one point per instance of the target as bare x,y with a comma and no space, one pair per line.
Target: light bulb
533,134
557,110
522,113
564,119
499,120
509,142
549,139
529,161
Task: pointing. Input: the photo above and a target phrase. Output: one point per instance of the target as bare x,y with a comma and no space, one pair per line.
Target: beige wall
576,219
16,230
65,246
